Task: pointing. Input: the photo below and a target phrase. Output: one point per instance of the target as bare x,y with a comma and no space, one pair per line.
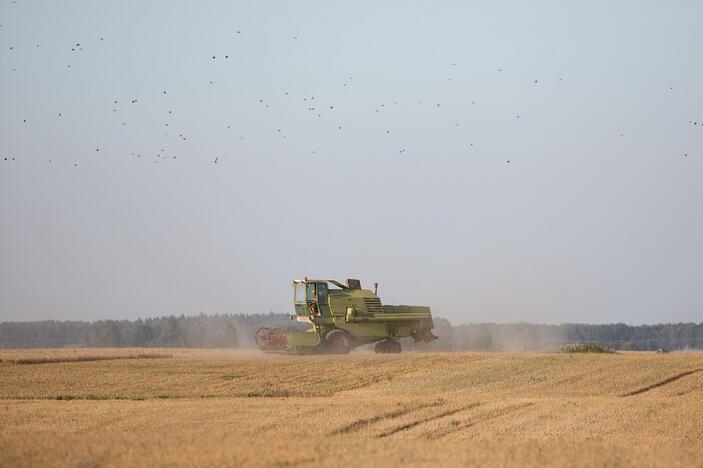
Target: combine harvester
344,317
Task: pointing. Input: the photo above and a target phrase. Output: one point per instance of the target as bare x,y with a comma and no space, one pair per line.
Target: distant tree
484,339
169,333
108,334
140,334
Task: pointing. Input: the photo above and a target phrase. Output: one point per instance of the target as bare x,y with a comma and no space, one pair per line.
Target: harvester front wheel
337,342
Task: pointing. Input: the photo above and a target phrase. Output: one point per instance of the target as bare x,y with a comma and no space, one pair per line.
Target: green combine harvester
344,316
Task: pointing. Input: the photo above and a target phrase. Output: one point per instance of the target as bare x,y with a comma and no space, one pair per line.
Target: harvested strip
492,415
112,397
412,424
384,377
361,423
270,393
662,383
55,360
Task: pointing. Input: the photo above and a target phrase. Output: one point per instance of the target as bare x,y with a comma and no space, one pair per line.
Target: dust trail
412,424
662,383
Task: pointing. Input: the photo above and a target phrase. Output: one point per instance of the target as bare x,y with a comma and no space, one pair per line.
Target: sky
496,161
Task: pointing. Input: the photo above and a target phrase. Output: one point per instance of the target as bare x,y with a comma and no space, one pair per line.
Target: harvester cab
310,299
344,316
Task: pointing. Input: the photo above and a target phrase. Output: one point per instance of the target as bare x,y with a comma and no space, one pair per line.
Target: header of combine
344,316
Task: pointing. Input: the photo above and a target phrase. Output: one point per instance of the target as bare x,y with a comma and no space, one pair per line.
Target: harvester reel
271,339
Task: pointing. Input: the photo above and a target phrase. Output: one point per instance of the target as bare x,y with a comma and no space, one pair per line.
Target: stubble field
132,407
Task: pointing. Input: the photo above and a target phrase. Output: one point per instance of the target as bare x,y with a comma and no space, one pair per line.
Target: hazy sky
352,139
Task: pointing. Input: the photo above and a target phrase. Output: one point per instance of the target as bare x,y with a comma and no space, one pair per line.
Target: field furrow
666,381
418,422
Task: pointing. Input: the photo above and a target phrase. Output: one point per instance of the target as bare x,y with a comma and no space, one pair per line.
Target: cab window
299,292
322,294
312,295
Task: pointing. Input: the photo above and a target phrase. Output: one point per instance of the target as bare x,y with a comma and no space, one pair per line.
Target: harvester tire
394,347
387,346
337,342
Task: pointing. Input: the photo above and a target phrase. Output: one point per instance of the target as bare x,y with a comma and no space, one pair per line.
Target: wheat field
139,407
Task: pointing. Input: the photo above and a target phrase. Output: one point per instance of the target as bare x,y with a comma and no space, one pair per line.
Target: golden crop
241,408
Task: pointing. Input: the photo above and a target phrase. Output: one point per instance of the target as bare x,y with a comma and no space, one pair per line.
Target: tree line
529,336
200,331
237,331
